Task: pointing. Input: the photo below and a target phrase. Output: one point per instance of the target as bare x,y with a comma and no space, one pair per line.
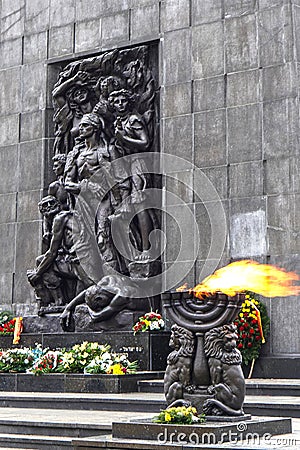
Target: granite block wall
229,104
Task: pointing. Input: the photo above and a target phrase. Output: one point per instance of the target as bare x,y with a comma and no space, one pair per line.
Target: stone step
280,406
74,401
33,442
255,386
48,429
287,406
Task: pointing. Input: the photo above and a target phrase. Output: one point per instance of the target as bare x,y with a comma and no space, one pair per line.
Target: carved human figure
228,383
88,173
58,275
57,188
72,98
104,300
179,364
132,139
105,86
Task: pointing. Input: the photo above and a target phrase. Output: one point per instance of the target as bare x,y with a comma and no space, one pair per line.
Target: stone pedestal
144,434
150,348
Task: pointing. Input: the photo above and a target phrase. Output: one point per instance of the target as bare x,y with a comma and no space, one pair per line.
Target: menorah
199,315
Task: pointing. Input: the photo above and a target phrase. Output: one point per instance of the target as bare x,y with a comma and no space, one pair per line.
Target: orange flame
247,275
182,288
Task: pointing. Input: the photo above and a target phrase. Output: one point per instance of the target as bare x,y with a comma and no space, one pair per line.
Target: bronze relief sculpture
105,119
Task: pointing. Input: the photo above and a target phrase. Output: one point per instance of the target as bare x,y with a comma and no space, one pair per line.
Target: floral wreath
253,324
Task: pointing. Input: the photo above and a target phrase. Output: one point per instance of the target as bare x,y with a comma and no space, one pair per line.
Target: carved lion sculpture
228,383
179,364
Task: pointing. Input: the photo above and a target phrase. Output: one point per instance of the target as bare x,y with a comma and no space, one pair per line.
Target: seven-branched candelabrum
205,366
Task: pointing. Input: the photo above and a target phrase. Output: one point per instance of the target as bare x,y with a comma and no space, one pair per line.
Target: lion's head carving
220,343
183,340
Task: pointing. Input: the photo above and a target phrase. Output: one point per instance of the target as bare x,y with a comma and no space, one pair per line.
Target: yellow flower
168,418
241,315
117,369
94,345
83,346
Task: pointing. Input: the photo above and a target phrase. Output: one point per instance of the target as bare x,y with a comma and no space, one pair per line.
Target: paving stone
7,247
11,53
115,28
113,6
180,227
177,99
36,15
244,133
218,176
176,66
294,174
279,82
12,19
85,10
246,179
281,127
296,21
207,50
61,40
30,175
243,87
283,335
28,205
277,175
269,3
248,234
88,35
203,12
8,169
210,145
181,185
32,126
279,224
61,13
27,248
33,87
6,288
145,22
275,36
209,93
175,14
241,43
8,203
178,136
10,90
35,47
234,8
212,219
9,130
176,273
